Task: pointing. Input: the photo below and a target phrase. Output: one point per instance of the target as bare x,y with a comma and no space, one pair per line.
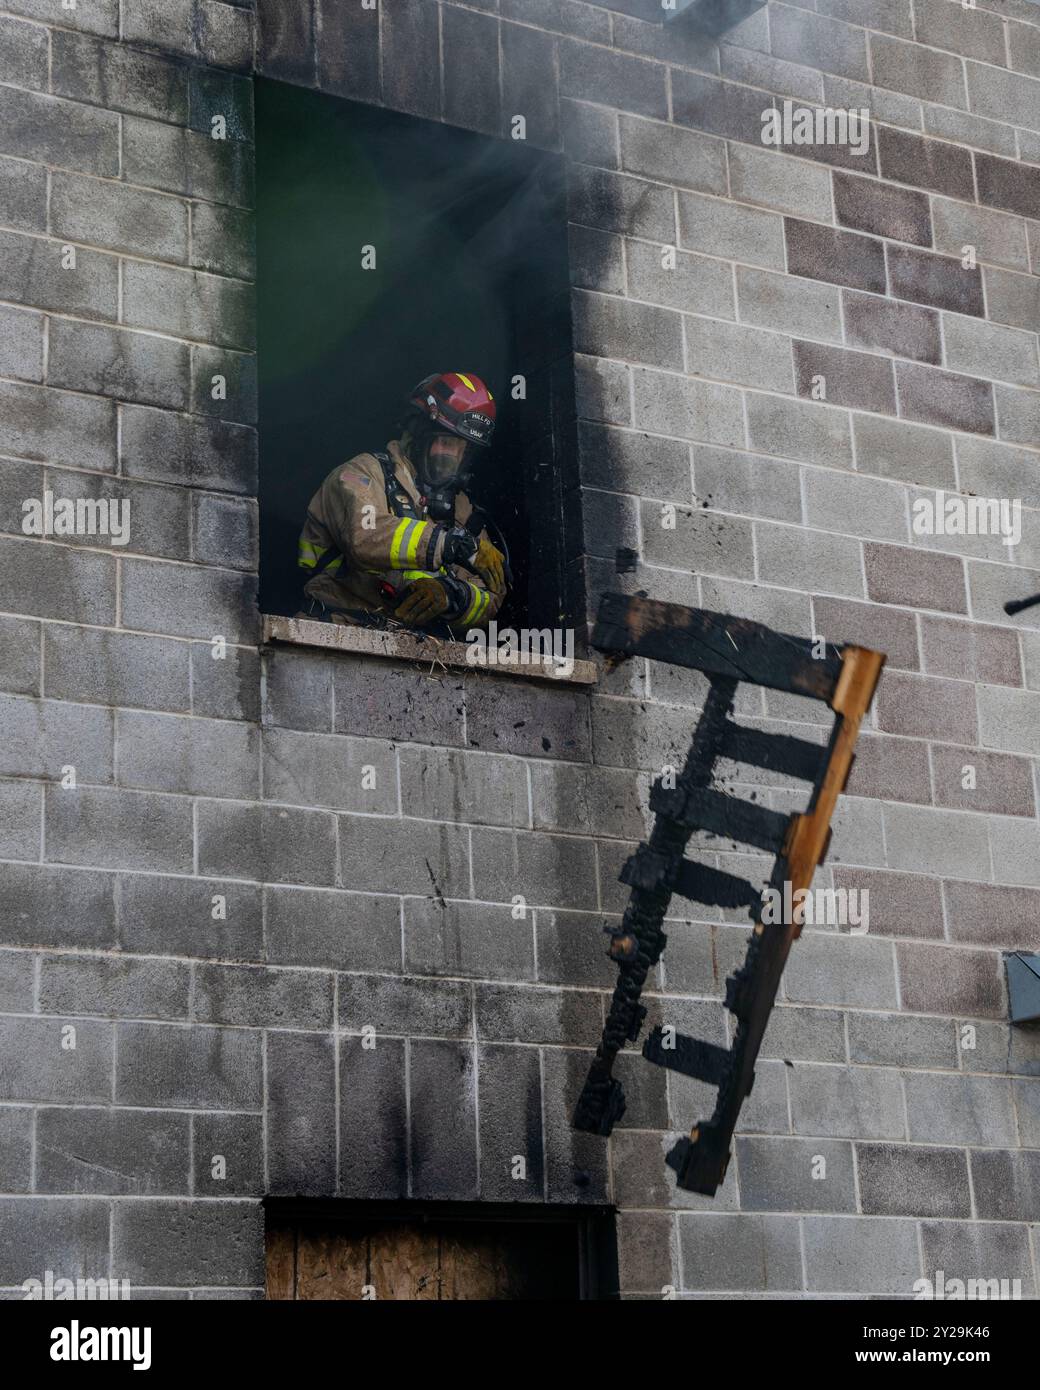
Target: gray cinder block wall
196,933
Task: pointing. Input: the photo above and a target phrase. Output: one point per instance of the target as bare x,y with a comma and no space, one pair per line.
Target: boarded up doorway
411,1250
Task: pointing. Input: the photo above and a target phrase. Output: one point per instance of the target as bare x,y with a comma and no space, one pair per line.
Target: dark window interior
471,275
443,1251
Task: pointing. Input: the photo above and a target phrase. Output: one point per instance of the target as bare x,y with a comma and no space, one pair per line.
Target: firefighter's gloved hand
489,562
424,601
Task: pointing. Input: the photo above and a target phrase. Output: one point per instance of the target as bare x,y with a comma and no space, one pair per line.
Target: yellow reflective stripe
418,574
466,380
309,553
395,544
334,565
414,539
481,598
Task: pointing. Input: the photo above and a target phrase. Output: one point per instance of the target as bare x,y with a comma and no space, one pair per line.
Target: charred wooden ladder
729,651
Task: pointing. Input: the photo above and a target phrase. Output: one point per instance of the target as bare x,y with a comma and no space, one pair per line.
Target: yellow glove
489,563
424,601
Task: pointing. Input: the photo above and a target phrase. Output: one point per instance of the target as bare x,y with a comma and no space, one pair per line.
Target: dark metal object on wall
1023,978
728,650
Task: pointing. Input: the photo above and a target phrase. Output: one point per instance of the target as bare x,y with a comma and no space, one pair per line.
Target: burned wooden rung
729,651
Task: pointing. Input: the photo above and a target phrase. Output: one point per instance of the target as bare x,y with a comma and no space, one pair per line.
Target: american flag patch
349,476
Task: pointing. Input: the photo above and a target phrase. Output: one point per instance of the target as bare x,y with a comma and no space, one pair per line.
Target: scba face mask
443,463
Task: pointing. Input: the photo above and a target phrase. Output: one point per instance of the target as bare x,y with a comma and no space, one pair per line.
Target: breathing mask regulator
443,462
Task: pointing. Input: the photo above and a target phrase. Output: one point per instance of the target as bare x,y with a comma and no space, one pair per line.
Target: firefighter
386,534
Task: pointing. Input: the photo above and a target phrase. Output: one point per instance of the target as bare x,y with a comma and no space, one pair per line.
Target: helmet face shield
444,459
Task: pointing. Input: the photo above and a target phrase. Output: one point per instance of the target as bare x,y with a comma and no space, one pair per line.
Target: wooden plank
715,643
331,1263
280,1243
403,645
404,1261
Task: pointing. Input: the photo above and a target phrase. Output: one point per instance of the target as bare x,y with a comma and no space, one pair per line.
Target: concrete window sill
404,646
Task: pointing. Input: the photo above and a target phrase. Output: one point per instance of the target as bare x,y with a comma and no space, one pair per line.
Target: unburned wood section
415,1259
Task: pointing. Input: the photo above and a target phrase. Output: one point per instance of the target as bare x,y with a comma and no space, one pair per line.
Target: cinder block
609,327
727,109
58,427
746,356
226,37
1007,185
855,379
23,195
820,42
940,842
586,71
285,40
21,344
748,483
383,854
934,165
72,1232
188,601
195,1068
598,262
1004,785
470,58
32,272
451,786
16,1125
717,228
20,656
20,828
125,79
435,1008
976,35
991,914
960,1110
978,1250
112,362
466,939
784,1175
624,461
1008,719
789,304
298,690
56,907
527,55
793,429
202,757
114,829
183,161
63,133
936,980
891,1040
228,686
172,448
742,1252
269,843
830,969
986,350
134,1152
987,655
347,931
1004,96
300,1096
37,1063
840,258
542,721
699,541
918,71
239,1141
1006,1185
1014,844
894,449
114,668
511,1013
258,997
510,1111
189,1243
347,49
589,134
176,916
603,390
223,384
813,560
904,330
576,1163
861,1256
188,304
409,84
882,209
869,625
373,1118
44,737
927,707
1018,415
647,1253
847,1102
442,1083
16,981
687,408
913,1180
548,870
996,237
914,578
956,126
223,240
682,158
103,213
169,25
113,986
567,949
